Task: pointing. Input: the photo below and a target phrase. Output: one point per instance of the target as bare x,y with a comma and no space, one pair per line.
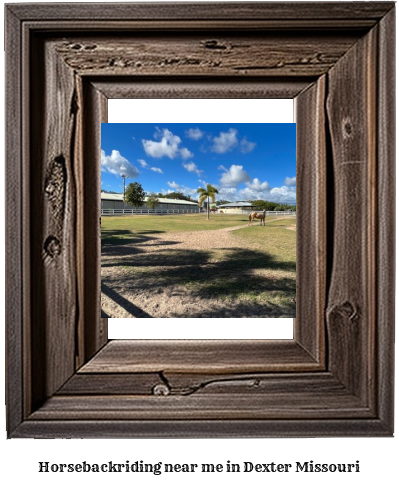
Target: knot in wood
347,128
50,189
90,47
213,44
52,246
161,390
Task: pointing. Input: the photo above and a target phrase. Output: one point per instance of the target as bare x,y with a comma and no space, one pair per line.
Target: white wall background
377,456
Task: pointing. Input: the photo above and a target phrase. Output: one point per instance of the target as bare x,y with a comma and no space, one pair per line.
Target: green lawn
280,242
172,223
254,275
125,229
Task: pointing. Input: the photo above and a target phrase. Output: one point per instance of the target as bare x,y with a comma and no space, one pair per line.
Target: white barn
113,204
237,207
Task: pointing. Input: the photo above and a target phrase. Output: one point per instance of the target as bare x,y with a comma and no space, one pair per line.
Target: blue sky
243,161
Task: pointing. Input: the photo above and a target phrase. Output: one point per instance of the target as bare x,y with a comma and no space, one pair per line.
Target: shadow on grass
241,310
231,278
234,260
168,258
123,242
124,303
124,237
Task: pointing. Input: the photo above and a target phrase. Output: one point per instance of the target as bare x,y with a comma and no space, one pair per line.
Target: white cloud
168,146
189,191
222,168
174,185
251,194
246,146
182,189
229,194
146,166
234,176
118,165
256,185
194,134
185,153
290,181
284,194
225,142
192,167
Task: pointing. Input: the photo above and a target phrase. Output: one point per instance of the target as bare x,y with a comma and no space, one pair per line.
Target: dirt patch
293,227
193,274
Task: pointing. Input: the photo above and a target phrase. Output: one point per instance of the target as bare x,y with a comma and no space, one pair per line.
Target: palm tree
207,193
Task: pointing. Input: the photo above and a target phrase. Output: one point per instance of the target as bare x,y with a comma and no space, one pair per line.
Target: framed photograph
65,378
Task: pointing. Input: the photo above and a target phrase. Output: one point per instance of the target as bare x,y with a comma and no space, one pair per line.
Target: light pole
124,180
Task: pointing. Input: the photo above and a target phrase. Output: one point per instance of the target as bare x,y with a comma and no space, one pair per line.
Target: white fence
248,212
143,211
159,211
290,213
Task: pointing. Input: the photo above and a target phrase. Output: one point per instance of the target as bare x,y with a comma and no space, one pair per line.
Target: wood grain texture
200,356
190,428
95,112
275,396
385,245
311,176
208,11
53,211
352,129
184,384
177,87
240,55
202,407
65,62
14,259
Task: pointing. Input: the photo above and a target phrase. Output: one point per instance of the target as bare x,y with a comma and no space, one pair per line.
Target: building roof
237,203
119,197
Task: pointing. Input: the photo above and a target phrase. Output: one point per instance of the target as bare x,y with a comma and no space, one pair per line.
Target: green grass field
255,275
119,228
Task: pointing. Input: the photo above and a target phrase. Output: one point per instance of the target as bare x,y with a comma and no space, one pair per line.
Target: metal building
113,204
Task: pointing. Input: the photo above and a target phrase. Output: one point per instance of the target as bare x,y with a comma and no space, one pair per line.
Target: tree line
270,206
135,196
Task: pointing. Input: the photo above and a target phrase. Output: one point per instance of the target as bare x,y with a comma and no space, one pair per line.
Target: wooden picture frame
335,378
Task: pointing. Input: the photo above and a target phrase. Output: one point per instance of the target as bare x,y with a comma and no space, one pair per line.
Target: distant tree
222,202
205,194
174,195
135,194
179,196
152,201
270,206
264,205
285,207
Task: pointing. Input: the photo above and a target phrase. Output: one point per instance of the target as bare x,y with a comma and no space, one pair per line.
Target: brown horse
261,216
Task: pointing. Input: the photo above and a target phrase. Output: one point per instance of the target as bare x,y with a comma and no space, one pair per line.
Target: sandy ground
128,293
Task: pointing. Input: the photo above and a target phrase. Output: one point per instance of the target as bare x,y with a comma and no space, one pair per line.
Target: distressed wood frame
64,379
